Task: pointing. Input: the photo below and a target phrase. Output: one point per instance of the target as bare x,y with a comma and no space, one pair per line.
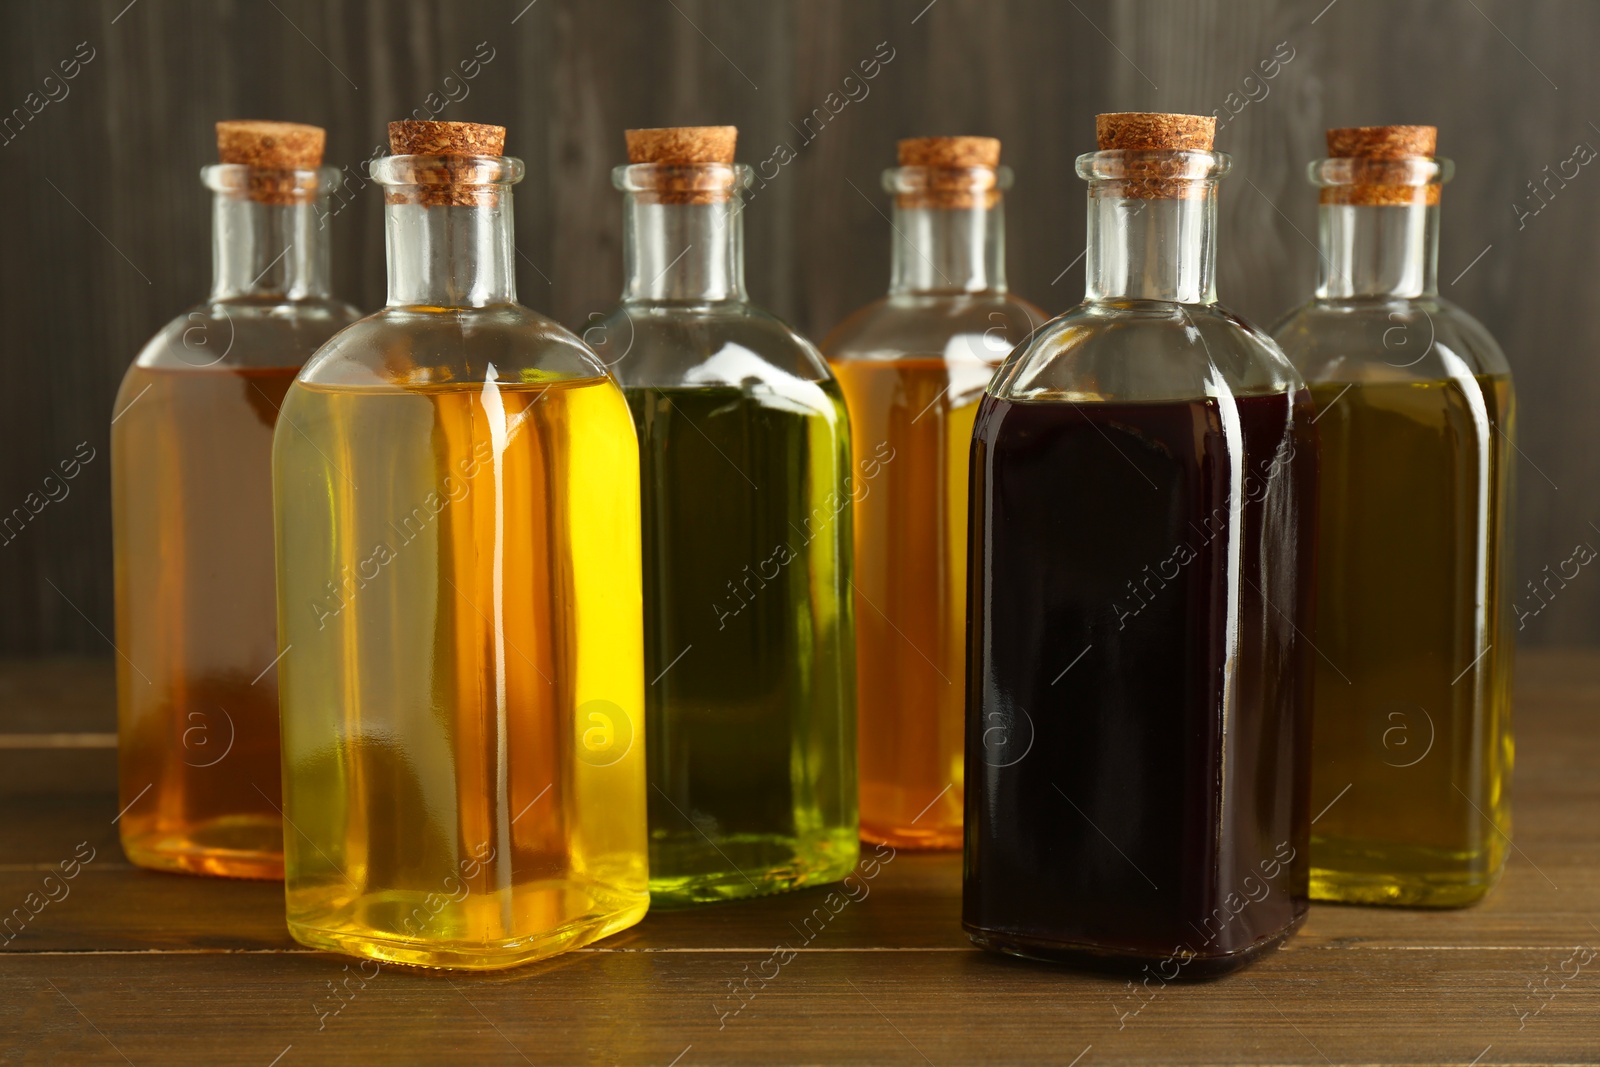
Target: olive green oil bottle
1411,748
747,494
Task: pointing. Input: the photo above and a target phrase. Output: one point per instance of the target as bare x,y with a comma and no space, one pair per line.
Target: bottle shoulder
661,345
929,326
246,333
1401,339
415,345
1145,350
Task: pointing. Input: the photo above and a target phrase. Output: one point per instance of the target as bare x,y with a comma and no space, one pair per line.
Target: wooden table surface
130,966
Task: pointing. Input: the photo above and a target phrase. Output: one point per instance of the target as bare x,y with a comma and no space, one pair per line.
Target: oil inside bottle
1413,685
747,638
195,621
1136,707
462,760
912,416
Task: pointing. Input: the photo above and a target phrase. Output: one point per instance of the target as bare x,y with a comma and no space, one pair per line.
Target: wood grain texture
106,229
134,966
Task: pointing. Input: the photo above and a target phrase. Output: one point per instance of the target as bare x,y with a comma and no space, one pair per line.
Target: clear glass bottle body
191,444
747,500
1142,480
459,590
1412,743
913,366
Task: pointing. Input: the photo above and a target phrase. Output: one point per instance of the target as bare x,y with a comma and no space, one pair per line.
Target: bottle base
1422,890
463,955
233,847
749,865
1345,871
1118,961
912,839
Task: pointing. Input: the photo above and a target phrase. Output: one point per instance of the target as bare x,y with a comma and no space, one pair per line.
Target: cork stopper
682,145
270,145
950,152
1382,174
1383,142
1153,169
947,172
453,173
694,164
274,151
410,137
1144,131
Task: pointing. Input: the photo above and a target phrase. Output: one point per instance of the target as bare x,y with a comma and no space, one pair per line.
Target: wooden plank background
105,226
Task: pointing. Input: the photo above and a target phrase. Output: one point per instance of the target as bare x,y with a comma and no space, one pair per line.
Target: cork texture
956,173
691,164
949,152
412,138
1383,142
274,151
452,179
1157,177
1152,131
682,145
1382,178
271,145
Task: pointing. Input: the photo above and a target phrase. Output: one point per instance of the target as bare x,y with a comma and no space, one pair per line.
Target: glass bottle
913,366
1411,748
191,489
456,484
745,461
1142,479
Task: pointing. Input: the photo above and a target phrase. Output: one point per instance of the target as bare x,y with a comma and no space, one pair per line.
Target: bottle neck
682,252
268,250
1382,251
948,250
451,255
1160,248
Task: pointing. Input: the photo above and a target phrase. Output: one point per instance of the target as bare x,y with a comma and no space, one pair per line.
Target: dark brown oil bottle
1142,480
